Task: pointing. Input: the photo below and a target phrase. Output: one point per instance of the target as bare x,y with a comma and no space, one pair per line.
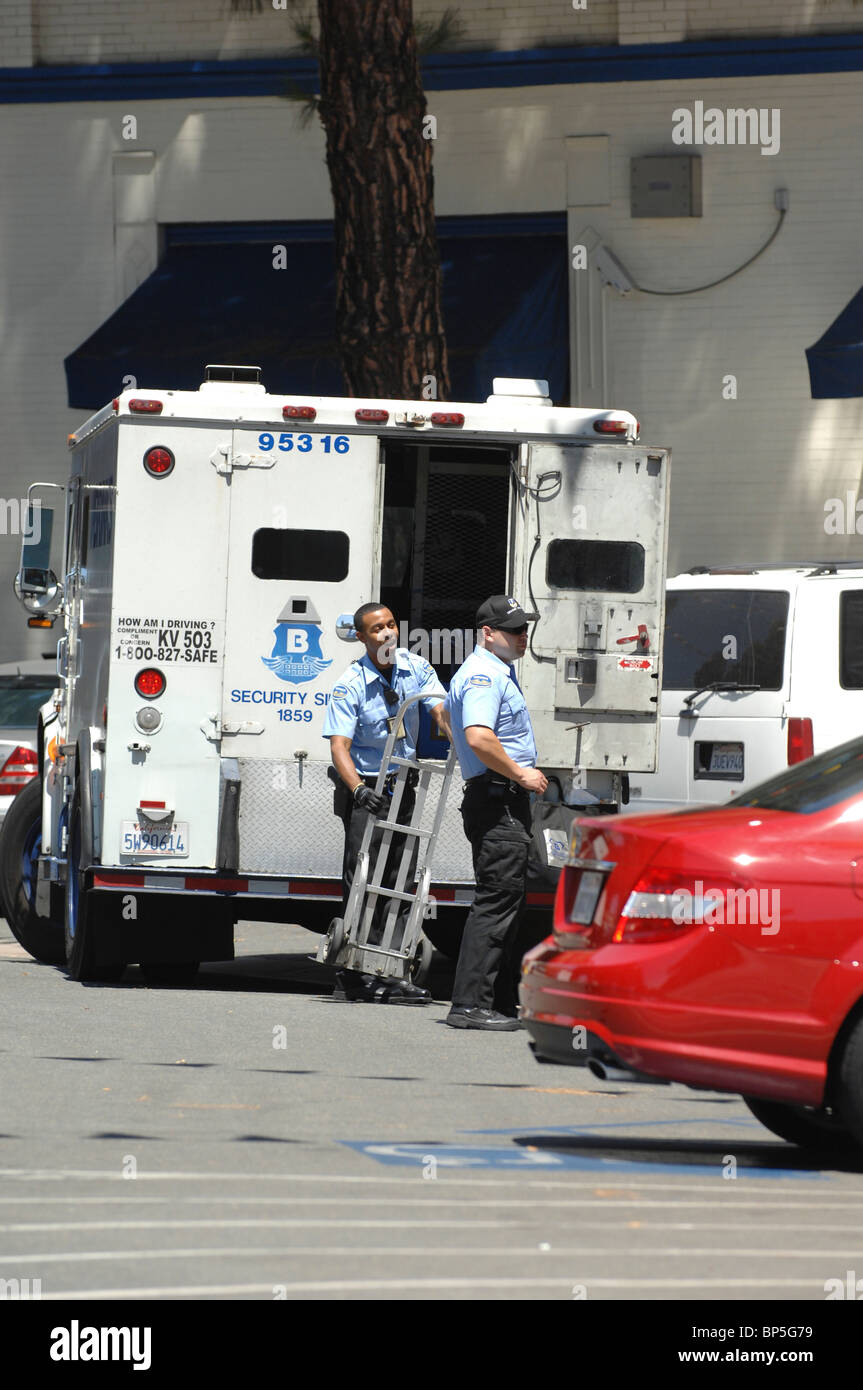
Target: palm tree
379,155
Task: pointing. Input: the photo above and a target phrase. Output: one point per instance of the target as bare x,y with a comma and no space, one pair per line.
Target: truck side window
278,553
851,639
615,567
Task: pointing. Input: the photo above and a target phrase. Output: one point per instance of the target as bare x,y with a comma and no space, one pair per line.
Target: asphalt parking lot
249,1138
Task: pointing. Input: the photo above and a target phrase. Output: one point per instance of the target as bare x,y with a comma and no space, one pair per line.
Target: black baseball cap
503,614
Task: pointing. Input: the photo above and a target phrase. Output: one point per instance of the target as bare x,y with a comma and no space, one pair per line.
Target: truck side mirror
36,584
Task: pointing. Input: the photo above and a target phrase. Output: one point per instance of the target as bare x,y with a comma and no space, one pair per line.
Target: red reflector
298,412
160,804
115,404
610,426
144,407
375,417
447,417
149,683
800,746
158,462
19,768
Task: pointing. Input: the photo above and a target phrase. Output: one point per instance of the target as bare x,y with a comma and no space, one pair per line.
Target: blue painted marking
466,1156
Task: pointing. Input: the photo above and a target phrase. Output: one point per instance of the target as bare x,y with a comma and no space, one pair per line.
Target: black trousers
498,824
354,823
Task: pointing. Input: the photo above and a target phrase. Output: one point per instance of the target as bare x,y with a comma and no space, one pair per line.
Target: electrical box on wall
665,185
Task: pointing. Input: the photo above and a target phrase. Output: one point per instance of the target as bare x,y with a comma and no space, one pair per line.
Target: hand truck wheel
335,940
421,961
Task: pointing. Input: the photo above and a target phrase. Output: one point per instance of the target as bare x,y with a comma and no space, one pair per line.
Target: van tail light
800,745
665,904
19,768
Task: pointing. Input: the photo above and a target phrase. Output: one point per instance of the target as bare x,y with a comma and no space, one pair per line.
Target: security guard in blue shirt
357,724
493,737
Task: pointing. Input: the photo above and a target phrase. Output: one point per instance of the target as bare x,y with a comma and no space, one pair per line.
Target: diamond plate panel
287,825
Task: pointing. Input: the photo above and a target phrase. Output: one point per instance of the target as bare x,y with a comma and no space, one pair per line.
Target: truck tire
80,955
20,842
821,1131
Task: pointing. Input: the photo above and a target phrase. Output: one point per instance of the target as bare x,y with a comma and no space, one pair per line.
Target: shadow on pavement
697,1153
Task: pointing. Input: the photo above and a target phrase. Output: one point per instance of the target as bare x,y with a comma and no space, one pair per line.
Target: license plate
150,841
727,758
587,896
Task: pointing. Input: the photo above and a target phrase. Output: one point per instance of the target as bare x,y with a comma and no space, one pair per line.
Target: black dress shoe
488,1019
369,989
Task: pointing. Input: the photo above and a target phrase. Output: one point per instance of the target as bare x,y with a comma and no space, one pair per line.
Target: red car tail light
800,745
19,768
664,904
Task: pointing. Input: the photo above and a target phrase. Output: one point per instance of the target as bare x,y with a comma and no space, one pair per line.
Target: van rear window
724,635
851,639
284,554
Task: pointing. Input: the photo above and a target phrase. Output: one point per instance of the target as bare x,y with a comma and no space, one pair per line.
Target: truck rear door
588,552
304,547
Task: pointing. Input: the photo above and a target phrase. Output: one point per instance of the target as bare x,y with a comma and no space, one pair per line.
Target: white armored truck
215,544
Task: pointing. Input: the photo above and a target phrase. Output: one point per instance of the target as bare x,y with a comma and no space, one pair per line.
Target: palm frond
436,34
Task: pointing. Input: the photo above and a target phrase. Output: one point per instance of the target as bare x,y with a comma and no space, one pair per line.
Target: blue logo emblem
296,655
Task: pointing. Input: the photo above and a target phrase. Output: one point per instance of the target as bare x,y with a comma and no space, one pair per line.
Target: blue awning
836,360
215,297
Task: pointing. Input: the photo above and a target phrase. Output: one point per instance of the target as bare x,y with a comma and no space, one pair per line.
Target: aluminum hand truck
347,942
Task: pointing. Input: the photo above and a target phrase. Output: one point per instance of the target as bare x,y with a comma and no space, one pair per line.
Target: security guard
493,737
357,724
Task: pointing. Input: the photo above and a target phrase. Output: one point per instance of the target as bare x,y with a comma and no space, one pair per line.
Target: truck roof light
150,683
158,462
447,417
298,412
115,404
611,426
140,406
372,417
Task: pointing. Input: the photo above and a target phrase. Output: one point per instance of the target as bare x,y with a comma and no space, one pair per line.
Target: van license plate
167,844
726,759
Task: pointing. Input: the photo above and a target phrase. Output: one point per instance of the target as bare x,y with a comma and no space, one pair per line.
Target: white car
24,688
762,667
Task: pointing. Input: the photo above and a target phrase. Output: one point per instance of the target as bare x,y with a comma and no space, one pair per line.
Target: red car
720,948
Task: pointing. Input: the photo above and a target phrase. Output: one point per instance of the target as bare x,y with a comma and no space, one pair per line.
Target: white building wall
751,475
162,30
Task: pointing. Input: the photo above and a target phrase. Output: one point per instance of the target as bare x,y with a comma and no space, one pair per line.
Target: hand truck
347,943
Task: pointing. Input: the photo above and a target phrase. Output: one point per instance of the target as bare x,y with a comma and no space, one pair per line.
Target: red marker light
298,412
150,683
139,406
372,417
447,417
800,745
158,462
611,426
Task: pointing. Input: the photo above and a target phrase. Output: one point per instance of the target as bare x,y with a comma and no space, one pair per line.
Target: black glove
367,800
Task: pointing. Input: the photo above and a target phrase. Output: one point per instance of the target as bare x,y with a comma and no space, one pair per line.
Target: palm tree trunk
388,278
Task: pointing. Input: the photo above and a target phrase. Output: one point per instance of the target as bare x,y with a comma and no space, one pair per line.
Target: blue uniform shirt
484,691
358,710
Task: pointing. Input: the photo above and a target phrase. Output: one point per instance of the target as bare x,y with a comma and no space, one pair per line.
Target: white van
762,667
